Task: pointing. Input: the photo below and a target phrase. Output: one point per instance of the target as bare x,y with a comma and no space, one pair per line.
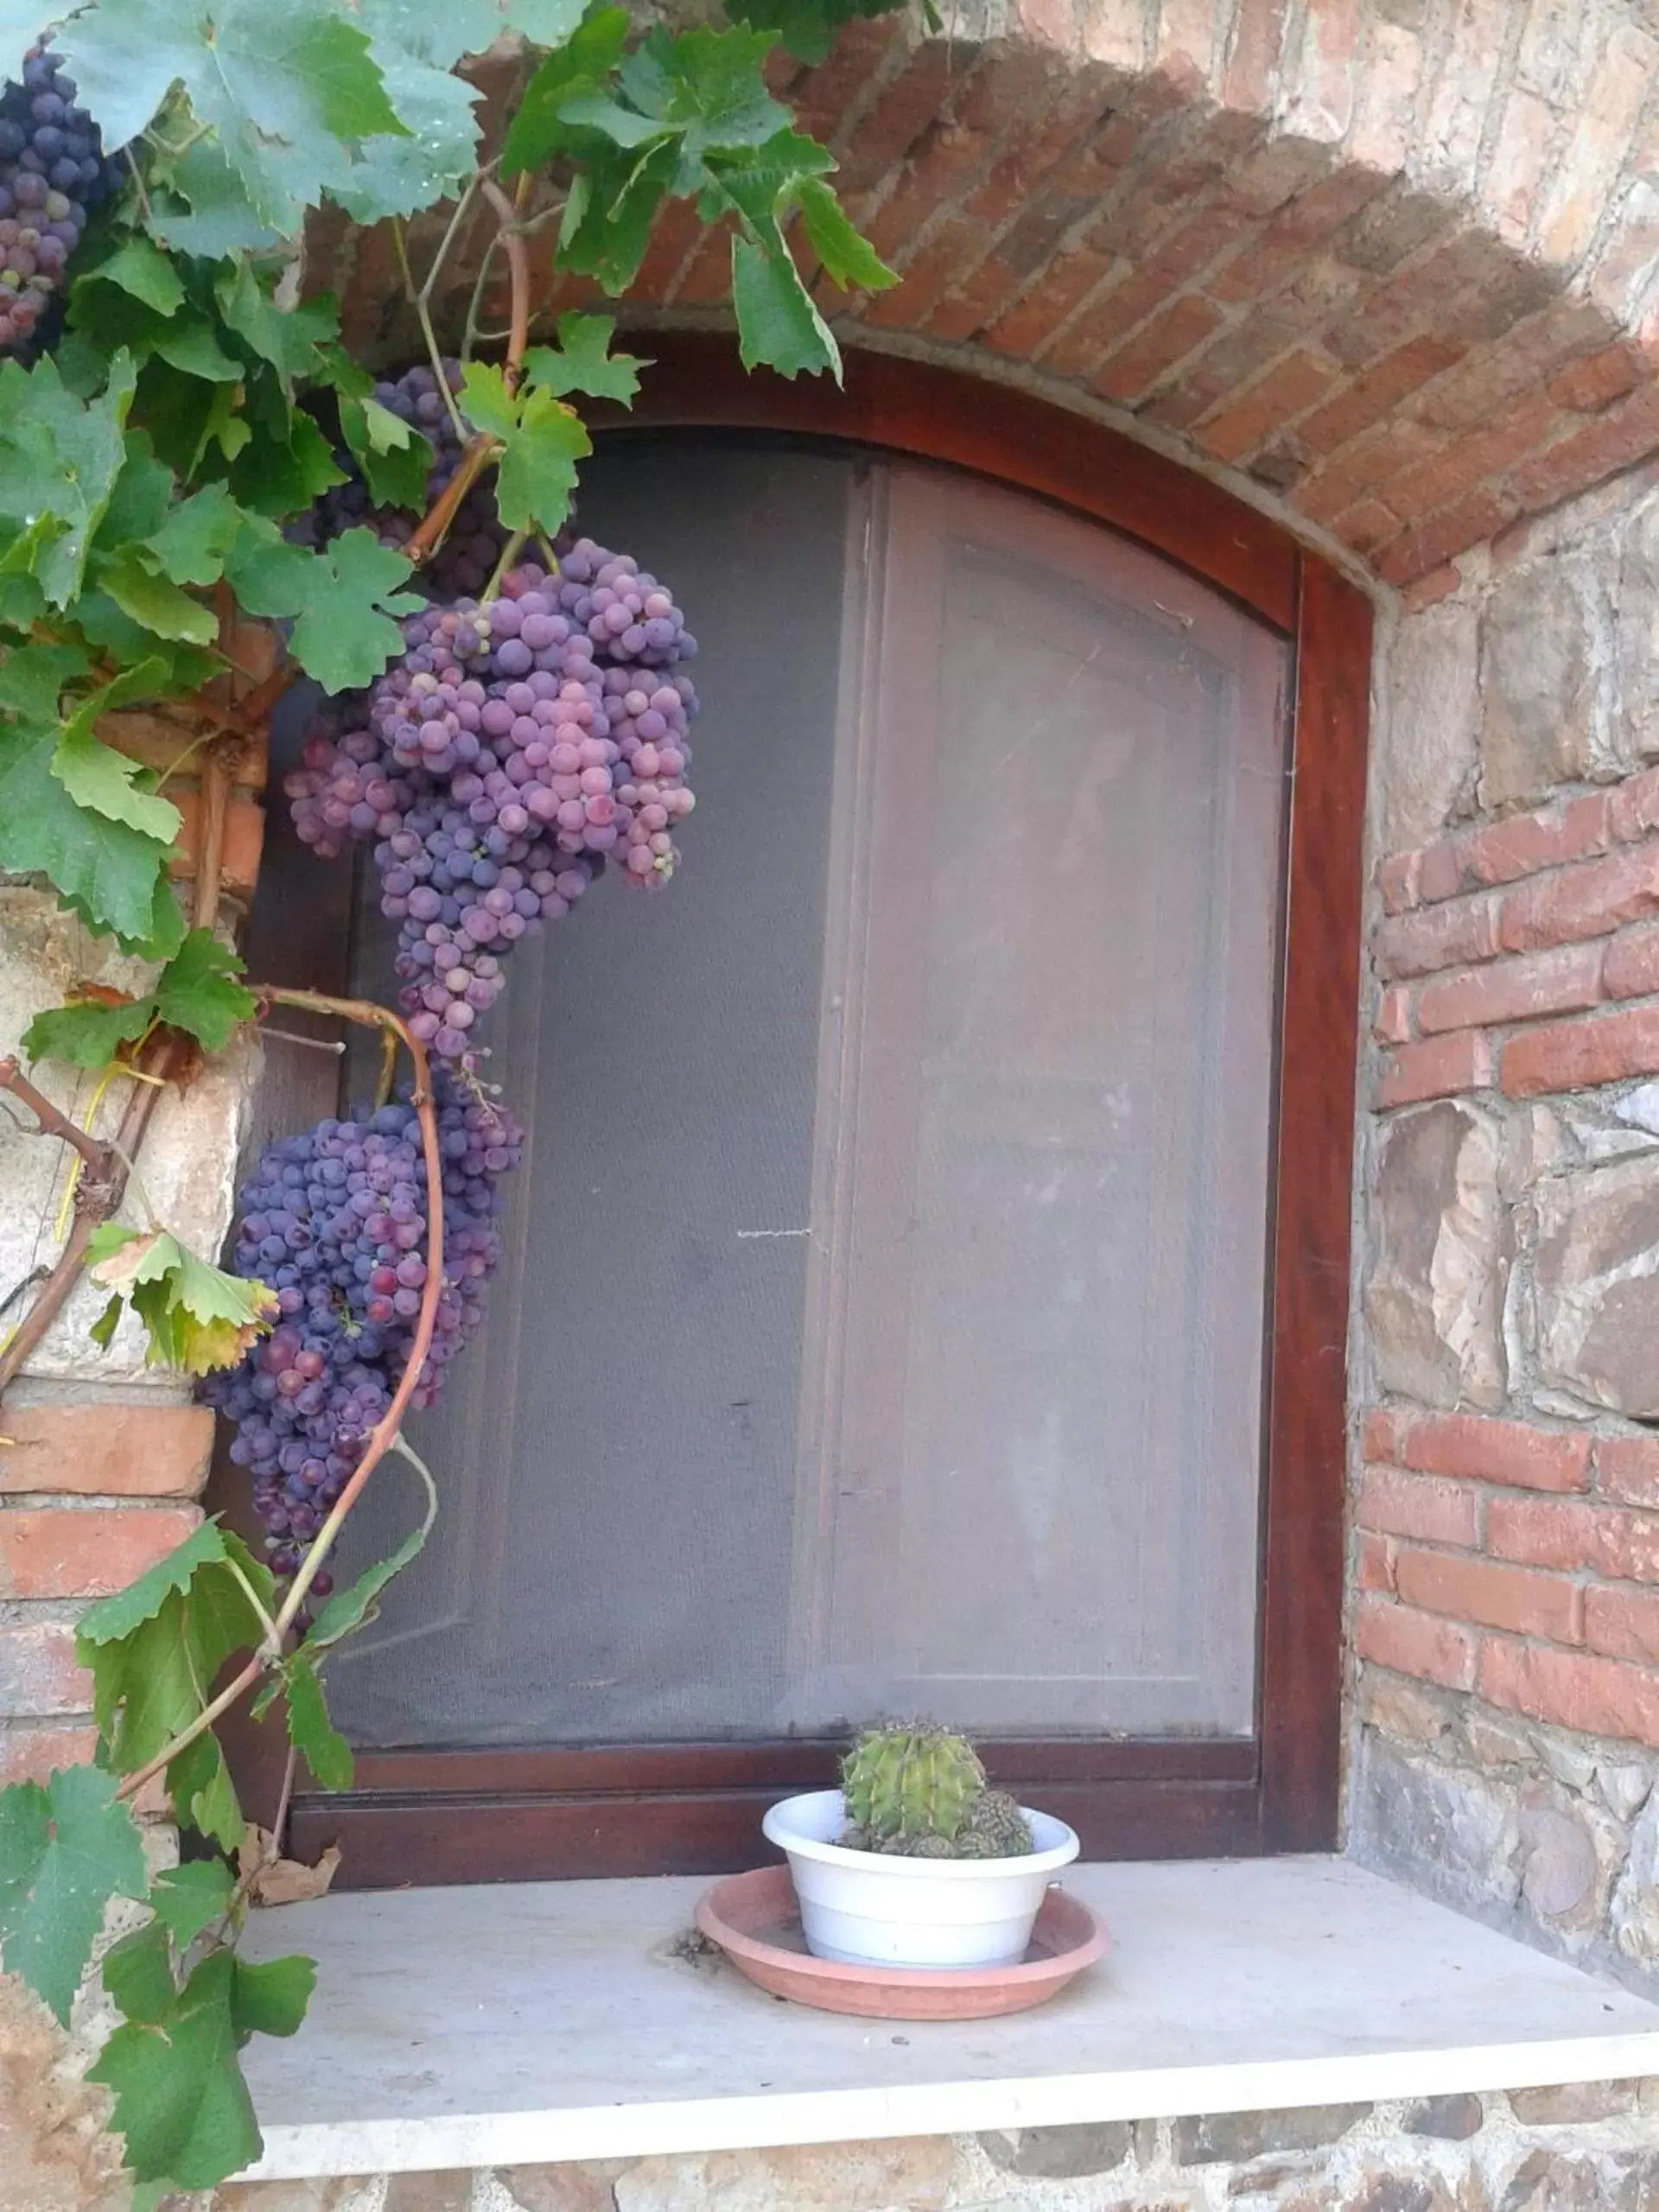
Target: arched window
898,1314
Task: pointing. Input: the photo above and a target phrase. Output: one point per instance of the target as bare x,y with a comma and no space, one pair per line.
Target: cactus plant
917,1792
910,1781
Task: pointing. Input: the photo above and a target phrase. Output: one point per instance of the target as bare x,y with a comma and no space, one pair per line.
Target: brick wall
1505,1556
1391,260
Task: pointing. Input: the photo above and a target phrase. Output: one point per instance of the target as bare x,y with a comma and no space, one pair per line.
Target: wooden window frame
525,1814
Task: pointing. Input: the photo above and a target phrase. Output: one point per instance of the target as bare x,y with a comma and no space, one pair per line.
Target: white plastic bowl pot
864,1908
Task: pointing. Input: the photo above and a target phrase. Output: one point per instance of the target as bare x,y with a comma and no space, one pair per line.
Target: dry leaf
274,1881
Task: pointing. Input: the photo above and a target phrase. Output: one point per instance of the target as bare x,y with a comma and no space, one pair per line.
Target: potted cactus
915,1860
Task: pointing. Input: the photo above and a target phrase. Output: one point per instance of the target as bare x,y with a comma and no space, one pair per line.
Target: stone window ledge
525,2025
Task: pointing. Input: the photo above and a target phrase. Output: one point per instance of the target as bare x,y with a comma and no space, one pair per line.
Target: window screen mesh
880,1325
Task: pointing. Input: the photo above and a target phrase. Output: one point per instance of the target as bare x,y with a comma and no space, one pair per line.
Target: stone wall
1505,1551
1594,2147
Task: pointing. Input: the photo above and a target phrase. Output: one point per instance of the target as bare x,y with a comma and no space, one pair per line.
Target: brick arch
1388,263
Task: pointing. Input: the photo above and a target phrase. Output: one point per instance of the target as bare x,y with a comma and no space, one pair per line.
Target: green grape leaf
115,877
413,43
199,204
156,604
777,321
608,236
287,337
197,991
707,86
392,457
583,361
310,1731
189,1898
195,351
102,1332
111,1620
286,467
60,458
191,543
181,2101
87,1033
196,1317
348,1610
65,1849
808,27
575,69
280,86
138,506
204,1796
758,182
107,782
345,598
269,1999
541,441
848,256
142,269
622,125
138,1972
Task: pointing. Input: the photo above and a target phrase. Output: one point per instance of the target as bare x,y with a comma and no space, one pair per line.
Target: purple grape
52,176
500,788
349,1277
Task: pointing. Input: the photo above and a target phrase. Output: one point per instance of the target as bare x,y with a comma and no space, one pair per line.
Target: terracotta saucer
754,1920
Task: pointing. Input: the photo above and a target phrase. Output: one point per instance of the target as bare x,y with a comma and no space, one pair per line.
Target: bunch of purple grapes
515,748
336,1221
464,563
53,174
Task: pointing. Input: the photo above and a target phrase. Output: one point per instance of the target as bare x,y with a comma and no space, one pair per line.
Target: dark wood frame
438,1817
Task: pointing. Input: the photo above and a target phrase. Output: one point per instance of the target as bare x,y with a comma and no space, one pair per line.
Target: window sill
519,2025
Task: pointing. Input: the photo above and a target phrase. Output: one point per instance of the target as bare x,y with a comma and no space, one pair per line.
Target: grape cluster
336,1221
515,748
53,174
464,563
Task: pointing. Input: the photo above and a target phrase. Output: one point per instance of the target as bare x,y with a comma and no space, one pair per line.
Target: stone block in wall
910,2174
1596,1285
1058,2153
1633,1913
1451,1831
1537,684
1434,1298
1636,627
1428,755
1210,2139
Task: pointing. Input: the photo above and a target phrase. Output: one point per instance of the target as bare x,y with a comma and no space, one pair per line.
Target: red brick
107,1450
32,1754
1572,1534
56,1552
1368,462
1626,432
1393,1502
1448,935
1297,383
1397,878
1627,1468
1439,1067
1064,284
1411,1643
1632,969
1513,1453
1622,1623
1254,61
1560,982
1513,1598
1502,852
1586,386
1368,397
1373,1563
1167,338
1579,1055
1571,1689
1428,544
1393,1014
1589,900
1382,1437
39,1675
1430,590
1367,526
1633,807
1480,453
1145,289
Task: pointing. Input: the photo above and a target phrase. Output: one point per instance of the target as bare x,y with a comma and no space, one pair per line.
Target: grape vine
205,498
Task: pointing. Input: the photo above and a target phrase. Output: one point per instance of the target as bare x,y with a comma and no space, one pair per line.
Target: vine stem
384,1434
53,1122
516,249
419,299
